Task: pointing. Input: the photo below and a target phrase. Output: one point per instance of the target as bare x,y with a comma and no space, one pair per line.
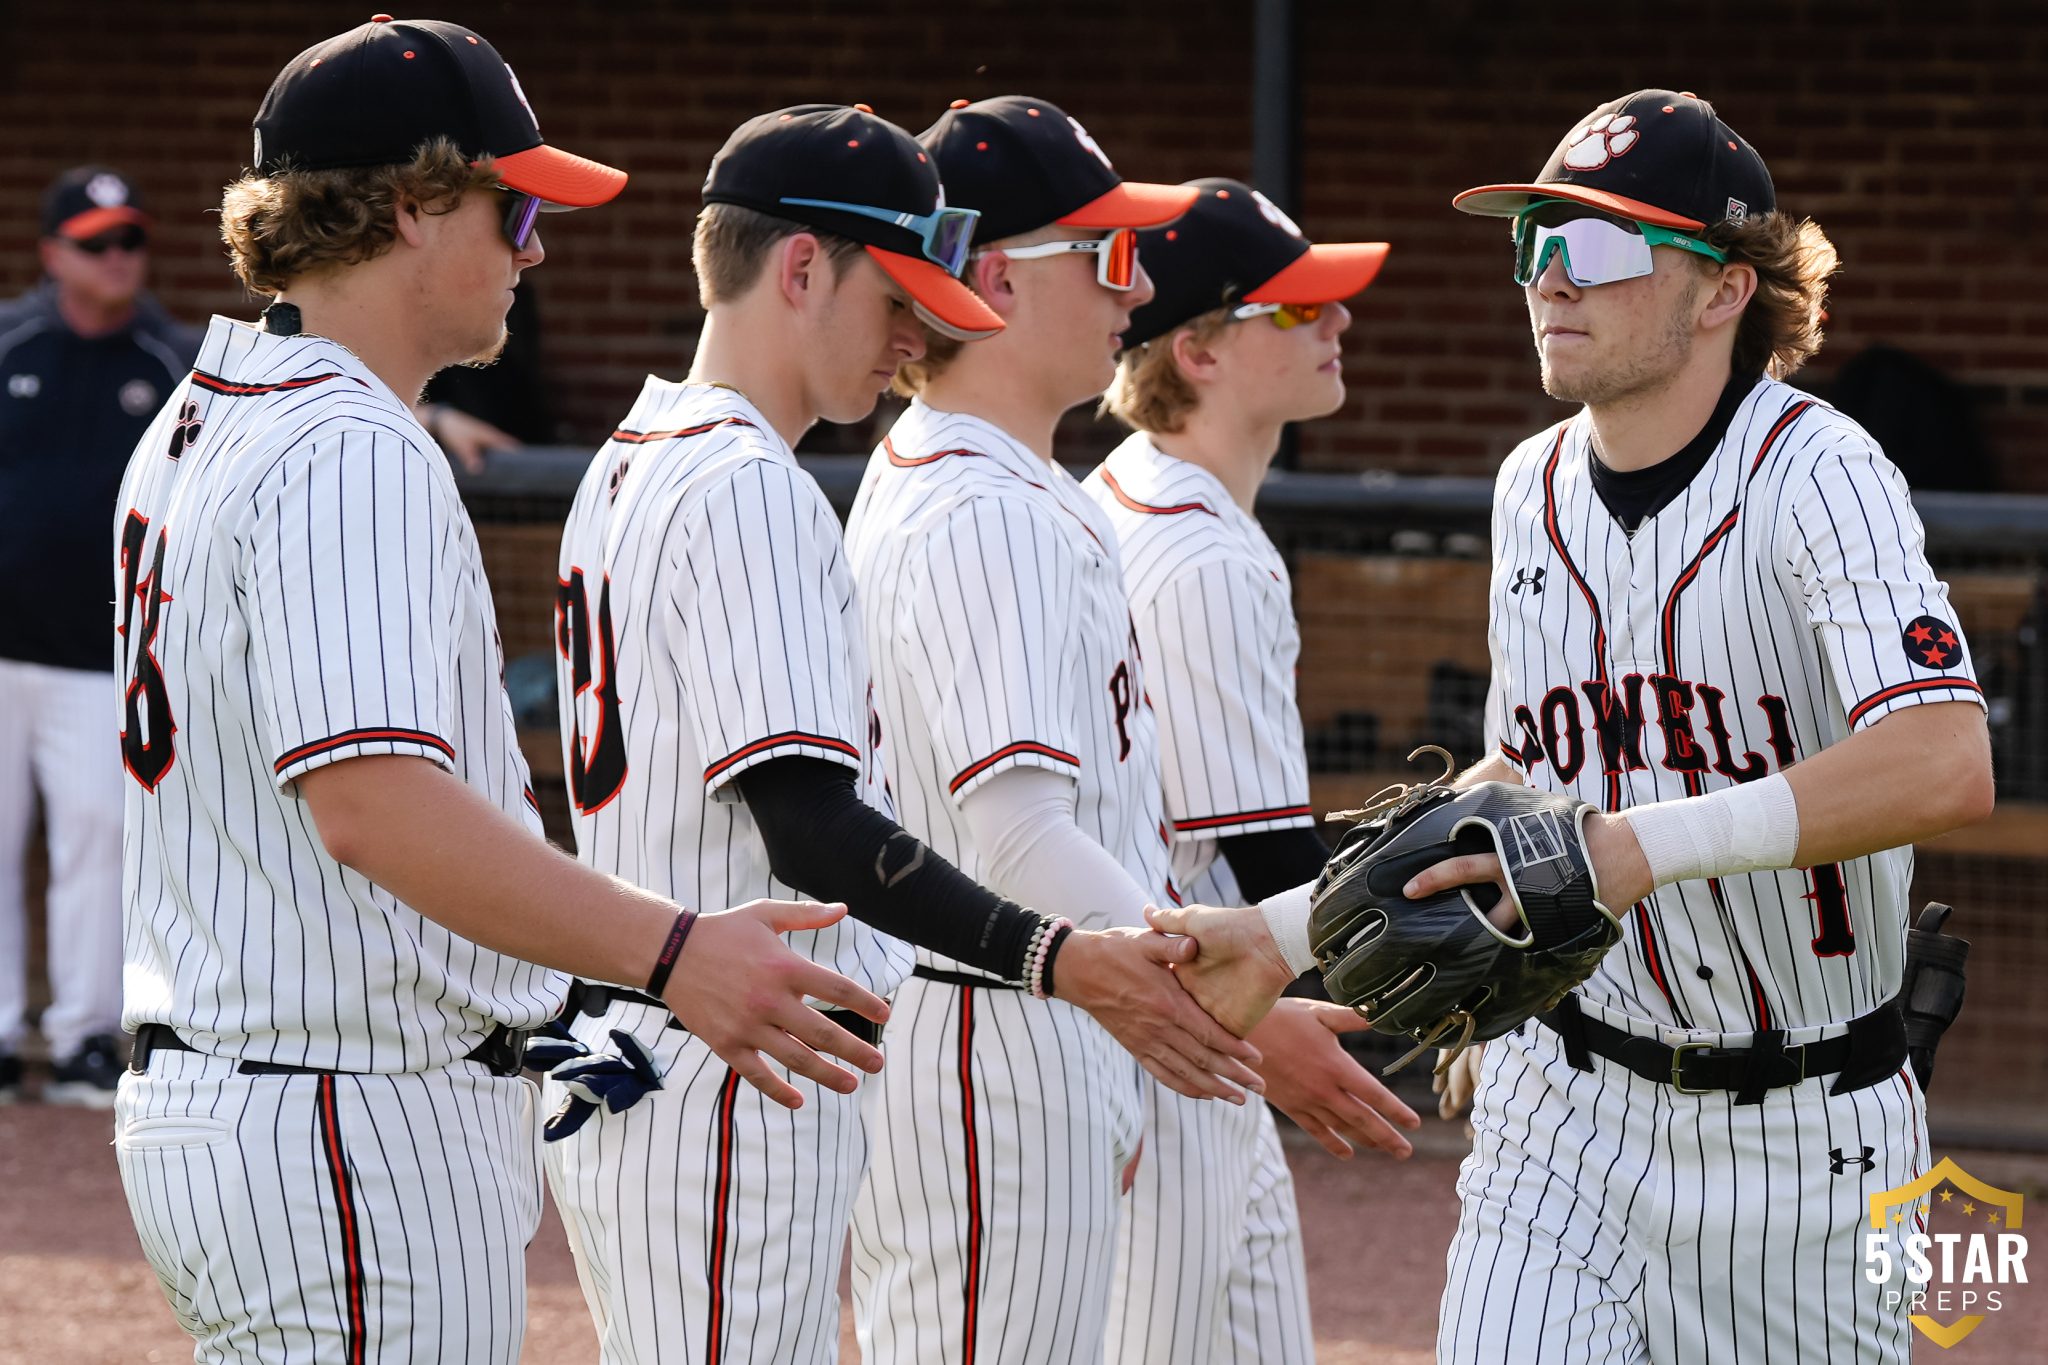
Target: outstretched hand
1124,978
1237,971
1314,1081
741,989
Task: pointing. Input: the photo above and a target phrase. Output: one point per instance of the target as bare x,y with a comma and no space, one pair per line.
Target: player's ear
802,272
1725,295
410,218
988,274
1196,358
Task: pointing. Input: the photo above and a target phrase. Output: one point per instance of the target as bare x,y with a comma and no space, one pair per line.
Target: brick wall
1919,142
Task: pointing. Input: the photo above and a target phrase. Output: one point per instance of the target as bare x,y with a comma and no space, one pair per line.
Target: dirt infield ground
75,1289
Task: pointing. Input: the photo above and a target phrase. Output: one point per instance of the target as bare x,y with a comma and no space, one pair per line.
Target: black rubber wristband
1052,952
670,951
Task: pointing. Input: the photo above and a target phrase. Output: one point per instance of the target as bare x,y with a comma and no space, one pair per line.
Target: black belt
590,997
964,979
500,1053
1872,1049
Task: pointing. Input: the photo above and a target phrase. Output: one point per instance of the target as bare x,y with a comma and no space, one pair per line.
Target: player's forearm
1916,774
826,842
428,839
1023,825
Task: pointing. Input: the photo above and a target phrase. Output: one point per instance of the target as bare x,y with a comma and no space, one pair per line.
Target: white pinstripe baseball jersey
1214,609
1780,602
707,623
297,583
1209,1258
994,602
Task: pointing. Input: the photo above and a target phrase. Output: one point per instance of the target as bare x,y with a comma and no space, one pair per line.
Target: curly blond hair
1781,328
279,227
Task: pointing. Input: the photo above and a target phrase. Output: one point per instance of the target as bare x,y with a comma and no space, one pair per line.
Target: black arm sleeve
1274,860
826,842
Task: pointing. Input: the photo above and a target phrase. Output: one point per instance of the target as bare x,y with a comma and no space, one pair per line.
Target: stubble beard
1637,375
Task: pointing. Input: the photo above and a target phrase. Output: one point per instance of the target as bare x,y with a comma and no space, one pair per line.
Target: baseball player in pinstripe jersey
340,914
721,741
1711,615
1241,338
1021,747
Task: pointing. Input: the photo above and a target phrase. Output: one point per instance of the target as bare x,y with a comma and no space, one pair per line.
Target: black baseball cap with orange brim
88,200
374,95
843,169
1235,246
1656,156
1026,164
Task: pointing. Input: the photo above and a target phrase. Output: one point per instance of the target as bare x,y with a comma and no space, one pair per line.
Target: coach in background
86,358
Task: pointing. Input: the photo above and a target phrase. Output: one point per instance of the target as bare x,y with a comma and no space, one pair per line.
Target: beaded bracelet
1052,951
670,951
1036,976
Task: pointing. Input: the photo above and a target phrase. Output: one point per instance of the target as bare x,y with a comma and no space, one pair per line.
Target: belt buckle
1678,1068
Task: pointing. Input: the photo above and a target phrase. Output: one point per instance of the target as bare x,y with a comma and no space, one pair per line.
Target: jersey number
1120,693
146,733
1832,937
597,766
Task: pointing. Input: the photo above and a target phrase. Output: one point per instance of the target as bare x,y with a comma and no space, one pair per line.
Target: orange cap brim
1325,273
1134,205
560,177
1505,201
93,222
945,302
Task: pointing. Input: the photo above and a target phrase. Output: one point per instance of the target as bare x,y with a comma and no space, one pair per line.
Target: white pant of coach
60,737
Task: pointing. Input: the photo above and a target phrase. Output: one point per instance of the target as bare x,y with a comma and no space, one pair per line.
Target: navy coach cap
374,95
88,200
1657,156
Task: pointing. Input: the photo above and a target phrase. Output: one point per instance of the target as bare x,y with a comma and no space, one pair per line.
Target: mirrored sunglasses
522,216
1116,256
945,234
1595,249
1285,316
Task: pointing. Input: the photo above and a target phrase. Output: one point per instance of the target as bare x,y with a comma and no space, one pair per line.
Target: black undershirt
826,842
1633,496
1271,862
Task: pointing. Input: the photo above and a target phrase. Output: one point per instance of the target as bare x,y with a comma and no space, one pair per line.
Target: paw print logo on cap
1600,141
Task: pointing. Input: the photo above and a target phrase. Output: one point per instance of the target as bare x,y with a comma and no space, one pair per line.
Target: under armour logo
1836,1161
186,433
1527,578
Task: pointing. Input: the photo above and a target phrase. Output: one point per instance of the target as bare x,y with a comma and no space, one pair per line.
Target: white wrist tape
1286,916
1750,827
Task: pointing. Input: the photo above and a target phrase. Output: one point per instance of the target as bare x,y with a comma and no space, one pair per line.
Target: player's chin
857,404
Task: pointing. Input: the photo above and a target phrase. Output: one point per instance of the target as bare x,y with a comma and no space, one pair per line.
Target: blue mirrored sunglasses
945,233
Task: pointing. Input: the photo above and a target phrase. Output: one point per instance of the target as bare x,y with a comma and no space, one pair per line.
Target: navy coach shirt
71,411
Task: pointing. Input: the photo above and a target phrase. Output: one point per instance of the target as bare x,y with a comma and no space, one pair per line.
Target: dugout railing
1390,582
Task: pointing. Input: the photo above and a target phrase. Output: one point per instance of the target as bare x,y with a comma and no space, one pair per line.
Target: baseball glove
1437,970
